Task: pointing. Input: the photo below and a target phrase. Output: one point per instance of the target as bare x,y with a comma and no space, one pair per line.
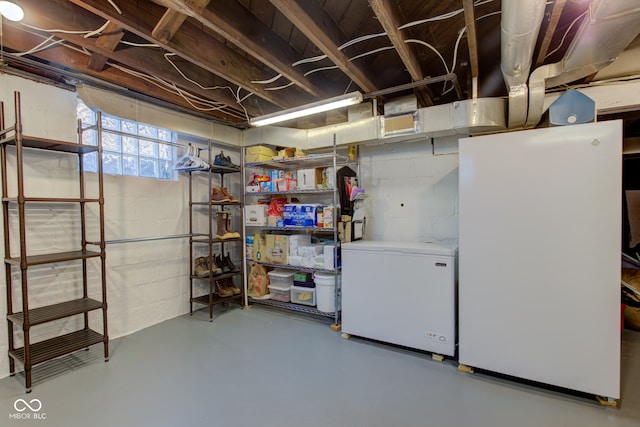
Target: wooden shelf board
58,346
57,311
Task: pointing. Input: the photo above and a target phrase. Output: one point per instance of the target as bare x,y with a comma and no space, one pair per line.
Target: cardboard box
260,248
255,214
306,179
259,153
277,248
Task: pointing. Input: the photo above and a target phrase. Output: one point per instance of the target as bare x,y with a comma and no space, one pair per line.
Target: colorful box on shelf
255,214
259,153
300,215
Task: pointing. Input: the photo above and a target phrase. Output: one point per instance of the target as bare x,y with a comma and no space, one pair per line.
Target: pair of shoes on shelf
221,195
205,266
226,288
222,160
225,263
223,224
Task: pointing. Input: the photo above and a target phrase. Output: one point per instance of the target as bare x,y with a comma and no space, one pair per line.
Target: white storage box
280,293
281,277
255,214
305,296
306,179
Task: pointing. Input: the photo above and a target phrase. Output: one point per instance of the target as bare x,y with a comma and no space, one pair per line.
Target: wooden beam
108,40
470,20
59,56
388,15
149,61
172,20
239,26
558,7
140,17
316,24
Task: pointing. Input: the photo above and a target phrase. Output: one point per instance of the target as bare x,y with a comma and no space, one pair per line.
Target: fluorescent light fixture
308,109
11,11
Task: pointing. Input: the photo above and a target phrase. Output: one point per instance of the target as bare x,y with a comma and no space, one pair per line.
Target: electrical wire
371,52
565,34
115,6
96,32
140,44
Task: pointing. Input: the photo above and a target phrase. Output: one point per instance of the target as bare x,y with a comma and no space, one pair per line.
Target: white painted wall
148,282
412,192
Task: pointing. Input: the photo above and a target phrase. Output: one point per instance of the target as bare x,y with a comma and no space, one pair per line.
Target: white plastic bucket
326,291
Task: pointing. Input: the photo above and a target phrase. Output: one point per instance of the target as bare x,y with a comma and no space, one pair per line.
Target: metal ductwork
608,29
520,25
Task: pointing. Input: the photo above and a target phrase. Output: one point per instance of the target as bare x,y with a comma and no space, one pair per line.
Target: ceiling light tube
11,11
308,109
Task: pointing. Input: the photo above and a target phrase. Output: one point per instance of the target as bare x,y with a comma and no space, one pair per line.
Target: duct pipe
608,29
520,25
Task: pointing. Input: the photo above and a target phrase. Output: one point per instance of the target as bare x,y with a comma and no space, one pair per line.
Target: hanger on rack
191,160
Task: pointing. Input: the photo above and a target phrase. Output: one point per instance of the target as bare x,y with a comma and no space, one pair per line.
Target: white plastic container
305,296
326,291
281,277
280,293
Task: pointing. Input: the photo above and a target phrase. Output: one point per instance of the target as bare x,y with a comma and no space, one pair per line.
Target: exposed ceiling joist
21,41
558,7
388,15
171,21
314,22
108,40
470,19
217,58
235,23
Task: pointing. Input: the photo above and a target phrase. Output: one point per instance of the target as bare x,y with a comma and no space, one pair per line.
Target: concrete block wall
147,282
412,192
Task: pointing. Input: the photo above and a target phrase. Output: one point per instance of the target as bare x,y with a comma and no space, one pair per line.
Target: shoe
217,196
227,159
235,234
221,224
222,160
220,260
226,193
213,266
222,289
201,268
231,286
227,261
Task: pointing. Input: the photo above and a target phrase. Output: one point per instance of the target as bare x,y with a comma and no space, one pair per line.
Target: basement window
129,148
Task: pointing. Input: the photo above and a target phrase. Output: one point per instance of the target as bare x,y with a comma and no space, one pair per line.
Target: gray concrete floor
262,368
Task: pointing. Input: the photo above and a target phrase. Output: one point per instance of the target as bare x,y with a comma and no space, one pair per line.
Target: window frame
162,159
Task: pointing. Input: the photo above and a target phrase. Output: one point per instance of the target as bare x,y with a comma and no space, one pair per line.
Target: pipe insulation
520,25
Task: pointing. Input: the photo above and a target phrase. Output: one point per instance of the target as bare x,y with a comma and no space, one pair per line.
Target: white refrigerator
539,255
401,293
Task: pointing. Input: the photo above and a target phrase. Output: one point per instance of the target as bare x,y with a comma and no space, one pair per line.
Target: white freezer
540,229
401,293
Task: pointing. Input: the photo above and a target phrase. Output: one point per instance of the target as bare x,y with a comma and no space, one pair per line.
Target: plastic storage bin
281,277
305,296
280,293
